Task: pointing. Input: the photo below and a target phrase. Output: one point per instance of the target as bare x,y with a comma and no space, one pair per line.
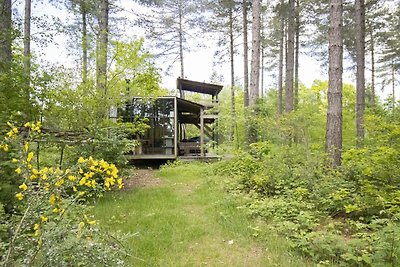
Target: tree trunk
245,55
334,112
181,41
102,54
360,75
280,64
255,54
27,40
393,86
27,49
290,59
5,35
372,69
85,45
231,52
296,55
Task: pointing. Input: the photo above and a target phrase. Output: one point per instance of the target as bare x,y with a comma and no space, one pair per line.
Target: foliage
346,216
51,223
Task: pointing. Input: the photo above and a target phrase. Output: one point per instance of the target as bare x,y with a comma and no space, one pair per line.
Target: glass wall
159,138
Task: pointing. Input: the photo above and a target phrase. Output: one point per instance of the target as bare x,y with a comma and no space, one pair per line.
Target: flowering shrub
52,221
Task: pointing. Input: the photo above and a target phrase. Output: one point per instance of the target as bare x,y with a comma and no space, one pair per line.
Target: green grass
189,220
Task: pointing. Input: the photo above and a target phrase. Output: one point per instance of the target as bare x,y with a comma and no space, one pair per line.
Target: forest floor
178,217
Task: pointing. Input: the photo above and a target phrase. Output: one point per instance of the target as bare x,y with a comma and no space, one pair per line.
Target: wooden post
202,131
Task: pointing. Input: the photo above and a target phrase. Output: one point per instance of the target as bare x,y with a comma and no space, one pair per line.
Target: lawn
186,218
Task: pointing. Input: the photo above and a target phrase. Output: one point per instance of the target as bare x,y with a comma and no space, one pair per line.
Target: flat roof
198,87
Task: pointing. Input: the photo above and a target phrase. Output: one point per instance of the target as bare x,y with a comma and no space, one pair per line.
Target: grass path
187,219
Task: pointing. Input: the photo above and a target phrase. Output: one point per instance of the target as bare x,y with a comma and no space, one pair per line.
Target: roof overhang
198,87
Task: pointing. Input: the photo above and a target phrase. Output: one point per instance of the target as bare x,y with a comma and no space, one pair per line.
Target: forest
308,175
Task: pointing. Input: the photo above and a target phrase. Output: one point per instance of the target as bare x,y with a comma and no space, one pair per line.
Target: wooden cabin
168,118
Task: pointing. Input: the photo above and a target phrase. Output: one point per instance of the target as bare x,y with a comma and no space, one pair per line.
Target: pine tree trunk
5,35
102,55
290,59
334,111
245,56
372,69
280,64
231,52
85,45
255,54
296,55
360,75
27,47
182,93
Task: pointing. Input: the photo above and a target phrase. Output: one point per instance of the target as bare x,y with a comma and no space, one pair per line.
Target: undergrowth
347,216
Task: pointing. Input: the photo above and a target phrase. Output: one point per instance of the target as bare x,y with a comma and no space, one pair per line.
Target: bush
51,222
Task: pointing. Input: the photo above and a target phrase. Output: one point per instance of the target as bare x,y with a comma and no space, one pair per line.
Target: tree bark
5,35
334,111
290,59
102,54
372,69
245,55
85,45
27,48
280,64
296,55
255,54
360,75
231,52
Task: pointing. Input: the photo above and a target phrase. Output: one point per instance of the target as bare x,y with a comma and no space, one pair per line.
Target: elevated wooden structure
168,116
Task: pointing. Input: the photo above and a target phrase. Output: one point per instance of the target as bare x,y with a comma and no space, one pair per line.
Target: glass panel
160,137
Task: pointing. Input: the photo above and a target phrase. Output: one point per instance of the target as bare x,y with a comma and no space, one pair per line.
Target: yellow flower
14,160
81,160
53,199
5,148
67,171
30,156
9,124
18,170
80,171
82,181
56,210
28,124
23,187
36,226
44,176
74,189
71,178
44,219
26,147
94,183
19,196
59,182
